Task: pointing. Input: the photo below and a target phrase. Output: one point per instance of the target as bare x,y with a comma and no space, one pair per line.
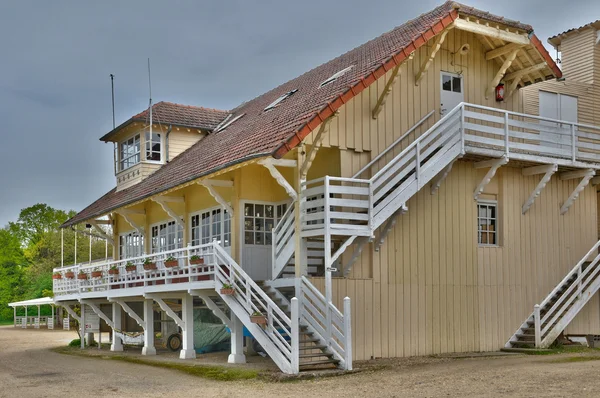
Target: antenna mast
150,89
112,88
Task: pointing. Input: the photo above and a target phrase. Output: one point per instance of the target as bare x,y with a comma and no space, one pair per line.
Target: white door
452,92
558,107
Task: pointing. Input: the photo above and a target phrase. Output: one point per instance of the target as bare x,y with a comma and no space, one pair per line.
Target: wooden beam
217,196
578,189
517,63
570,175
494,165
269,165
437,44
492,32
495,53
501,72
548,171
285,162
176,217
386,91
527,70
103,222
317,142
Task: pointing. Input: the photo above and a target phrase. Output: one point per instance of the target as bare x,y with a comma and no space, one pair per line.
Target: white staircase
561,306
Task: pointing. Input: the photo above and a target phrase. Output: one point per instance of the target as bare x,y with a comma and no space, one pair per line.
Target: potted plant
149,264
258,318
227,290
171,262
97,273
130,267
70,275
196,260
56,275
113,270
82,275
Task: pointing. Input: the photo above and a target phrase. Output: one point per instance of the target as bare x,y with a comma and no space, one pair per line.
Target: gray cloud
56,58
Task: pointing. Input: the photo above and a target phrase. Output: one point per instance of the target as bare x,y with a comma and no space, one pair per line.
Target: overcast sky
57,56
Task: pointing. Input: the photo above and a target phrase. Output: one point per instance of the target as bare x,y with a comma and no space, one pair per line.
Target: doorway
452,92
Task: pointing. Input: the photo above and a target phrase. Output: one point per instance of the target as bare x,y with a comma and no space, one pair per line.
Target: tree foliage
30,248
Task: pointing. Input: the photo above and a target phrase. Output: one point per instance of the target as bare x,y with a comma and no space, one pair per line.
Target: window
259,221
131,245
153,147
487,223
167,236
227,122
279,100
336,76
451,83
210,225
130,152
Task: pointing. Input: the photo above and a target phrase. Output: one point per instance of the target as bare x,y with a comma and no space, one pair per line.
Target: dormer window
227,122
279,100
129,152
336,76
153,147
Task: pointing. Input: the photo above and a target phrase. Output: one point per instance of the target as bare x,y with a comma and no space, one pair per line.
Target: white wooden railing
569,296
333,327
183,272
356,207
283,241
279,337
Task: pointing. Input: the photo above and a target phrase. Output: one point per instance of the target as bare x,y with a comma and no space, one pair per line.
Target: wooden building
406,198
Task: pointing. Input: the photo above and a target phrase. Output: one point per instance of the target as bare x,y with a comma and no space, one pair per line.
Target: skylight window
279,100
336,76
227,122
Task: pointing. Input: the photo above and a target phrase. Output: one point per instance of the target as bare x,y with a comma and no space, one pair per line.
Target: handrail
389,148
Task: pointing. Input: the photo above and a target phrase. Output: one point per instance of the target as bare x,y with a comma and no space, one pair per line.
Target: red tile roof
168,113
274,133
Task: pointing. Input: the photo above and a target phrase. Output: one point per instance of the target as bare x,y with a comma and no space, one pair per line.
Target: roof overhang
34,302
556,40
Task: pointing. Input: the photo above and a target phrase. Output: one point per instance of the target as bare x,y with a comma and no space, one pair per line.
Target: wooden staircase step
319,354
321,362
313,347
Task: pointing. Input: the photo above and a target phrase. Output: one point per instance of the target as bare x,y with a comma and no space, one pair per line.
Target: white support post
237,341
506,136
187,315
82,326
149,328
348,333
295,337
327,259
90,248
75,232
537,325
117,343
15,316
573,144
62,247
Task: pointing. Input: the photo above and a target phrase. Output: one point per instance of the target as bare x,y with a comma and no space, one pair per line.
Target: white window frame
242,229
133,155
128,249
452,76
496,232
178,243
202,240
148,147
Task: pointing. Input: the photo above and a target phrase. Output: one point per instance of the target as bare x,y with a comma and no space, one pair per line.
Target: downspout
167,144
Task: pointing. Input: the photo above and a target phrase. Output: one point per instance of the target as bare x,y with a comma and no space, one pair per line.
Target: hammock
131,338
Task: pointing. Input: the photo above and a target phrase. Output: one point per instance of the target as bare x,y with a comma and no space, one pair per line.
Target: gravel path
28,369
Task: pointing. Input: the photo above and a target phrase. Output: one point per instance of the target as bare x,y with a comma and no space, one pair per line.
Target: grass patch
4,323
563,350
576,359
213,372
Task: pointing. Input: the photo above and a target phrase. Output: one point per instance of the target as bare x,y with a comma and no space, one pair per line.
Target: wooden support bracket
388,226
99,312
316,145
548,171
586,176
363,240
130,312
101,232
437,180
72,313
165,206
527,70
270,165
127,217
210,186
165,307
386,91
437,44
339,252
497,52
212,306
501,72
494,165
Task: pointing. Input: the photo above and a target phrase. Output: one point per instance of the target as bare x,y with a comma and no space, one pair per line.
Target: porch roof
33,302
275,132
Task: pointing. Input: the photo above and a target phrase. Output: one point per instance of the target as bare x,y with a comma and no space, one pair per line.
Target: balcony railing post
573,143
462,128
537,326
371,205
506,136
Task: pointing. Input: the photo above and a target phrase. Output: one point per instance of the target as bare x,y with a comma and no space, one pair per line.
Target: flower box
228,292
171,264
197,261
113,271
258,319
57,276
82,276
70,275
149,266
97,274
131,268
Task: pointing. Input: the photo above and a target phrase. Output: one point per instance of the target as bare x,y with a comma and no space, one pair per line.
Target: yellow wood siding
182,139
434,290
577,56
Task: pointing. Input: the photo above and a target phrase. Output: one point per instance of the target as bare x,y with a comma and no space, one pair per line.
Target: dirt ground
29,369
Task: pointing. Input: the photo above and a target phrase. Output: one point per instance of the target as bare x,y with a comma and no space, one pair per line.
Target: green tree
35,221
